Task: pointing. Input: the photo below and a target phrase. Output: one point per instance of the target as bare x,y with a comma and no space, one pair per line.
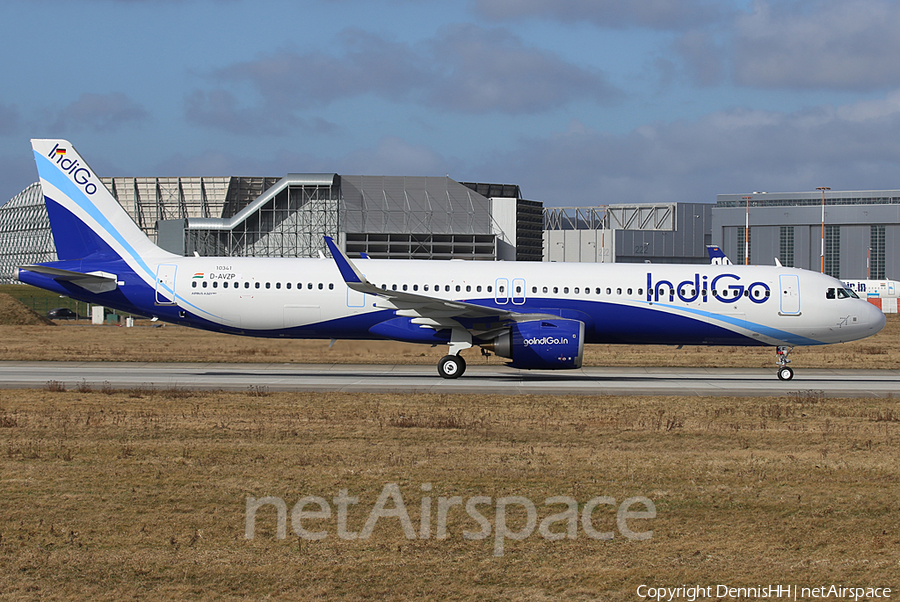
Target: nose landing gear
782,352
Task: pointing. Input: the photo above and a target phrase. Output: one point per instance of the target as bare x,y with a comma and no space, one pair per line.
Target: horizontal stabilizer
95,282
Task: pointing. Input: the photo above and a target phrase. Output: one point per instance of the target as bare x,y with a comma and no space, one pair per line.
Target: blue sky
580,102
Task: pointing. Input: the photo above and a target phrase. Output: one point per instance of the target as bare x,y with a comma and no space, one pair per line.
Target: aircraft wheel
785,373
451,366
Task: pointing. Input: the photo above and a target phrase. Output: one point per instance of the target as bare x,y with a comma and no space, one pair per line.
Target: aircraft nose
874,318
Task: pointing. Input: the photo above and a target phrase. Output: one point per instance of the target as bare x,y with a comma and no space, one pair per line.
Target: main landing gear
782,352
452,366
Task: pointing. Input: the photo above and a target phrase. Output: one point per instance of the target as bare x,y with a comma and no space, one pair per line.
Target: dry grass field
147,342
112,495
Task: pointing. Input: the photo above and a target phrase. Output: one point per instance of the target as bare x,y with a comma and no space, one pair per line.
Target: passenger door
790,294
165,284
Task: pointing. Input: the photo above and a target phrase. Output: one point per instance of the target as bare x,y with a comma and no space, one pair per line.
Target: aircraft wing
96,282
426,310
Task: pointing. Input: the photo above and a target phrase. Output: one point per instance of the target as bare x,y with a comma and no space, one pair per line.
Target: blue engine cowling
553,344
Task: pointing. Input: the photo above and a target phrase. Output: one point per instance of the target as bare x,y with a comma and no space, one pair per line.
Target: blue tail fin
85,219
717,256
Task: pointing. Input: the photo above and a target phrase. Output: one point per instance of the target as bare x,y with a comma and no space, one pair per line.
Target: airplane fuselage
538,315
618,303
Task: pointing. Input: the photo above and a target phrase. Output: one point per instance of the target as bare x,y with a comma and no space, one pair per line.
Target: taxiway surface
477,379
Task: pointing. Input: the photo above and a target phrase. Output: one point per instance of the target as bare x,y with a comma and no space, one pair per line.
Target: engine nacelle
552,344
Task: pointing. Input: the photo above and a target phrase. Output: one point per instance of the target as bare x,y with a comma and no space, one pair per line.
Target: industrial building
655,233
396,217
861,230
389,217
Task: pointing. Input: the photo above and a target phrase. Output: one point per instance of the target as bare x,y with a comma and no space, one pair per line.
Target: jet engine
551,344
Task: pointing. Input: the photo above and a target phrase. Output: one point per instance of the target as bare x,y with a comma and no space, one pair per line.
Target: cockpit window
840,293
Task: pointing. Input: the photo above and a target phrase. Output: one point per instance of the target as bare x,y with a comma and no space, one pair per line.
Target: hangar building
382,216
439,218
862,230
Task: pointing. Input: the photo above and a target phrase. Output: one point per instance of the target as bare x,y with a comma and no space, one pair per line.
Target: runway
741,382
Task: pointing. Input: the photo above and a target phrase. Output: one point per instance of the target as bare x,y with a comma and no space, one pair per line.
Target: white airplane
538,315
874,289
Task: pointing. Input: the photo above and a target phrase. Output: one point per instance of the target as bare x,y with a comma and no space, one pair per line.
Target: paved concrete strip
477,379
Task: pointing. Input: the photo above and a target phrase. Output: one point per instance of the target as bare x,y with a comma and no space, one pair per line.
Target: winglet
348,271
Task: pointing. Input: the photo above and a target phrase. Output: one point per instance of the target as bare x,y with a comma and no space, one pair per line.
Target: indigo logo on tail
80,174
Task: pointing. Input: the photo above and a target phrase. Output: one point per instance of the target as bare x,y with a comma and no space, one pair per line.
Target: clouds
842,45
837,44
482,71
464,69
579,101
9,120
99,112
653,14
738,150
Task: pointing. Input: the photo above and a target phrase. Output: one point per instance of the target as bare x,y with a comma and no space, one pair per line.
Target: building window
833,251
876,253
786,246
